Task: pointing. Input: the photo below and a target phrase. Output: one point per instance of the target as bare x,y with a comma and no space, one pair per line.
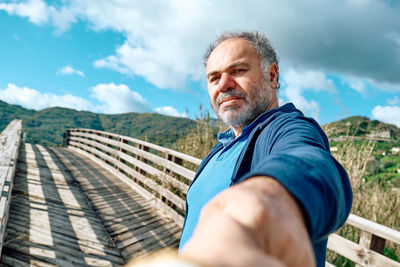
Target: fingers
219,240
263,215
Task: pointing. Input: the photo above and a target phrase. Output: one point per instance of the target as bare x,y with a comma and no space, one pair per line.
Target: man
269,193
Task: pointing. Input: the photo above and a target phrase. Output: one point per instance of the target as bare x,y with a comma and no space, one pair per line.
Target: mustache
224,95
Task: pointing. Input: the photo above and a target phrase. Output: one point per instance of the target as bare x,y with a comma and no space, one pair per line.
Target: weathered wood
123,211
375,228
142,178
140,142
114,151
158,204
141,152
9,147
115,157
56,219
358,254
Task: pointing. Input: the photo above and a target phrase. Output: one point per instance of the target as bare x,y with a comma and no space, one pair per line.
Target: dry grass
199,142
370,200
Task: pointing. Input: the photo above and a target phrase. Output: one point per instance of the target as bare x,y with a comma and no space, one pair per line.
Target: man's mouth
230,99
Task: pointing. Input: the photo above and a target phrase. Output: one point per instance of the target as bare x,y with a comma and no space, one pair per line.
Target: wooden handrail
153,171
158,173
9,148
370,248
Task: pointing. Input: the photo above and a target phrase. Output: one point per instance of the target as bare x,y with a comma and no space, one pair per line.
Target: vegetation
373,175
48,126
361,126
198,141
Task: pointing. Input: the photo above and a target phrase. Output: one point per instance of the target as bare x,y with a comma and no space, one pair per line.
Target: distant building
382,134
395,150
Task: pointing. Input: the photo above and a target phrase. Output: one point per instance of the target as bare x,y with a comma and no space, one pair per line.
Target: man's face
236,85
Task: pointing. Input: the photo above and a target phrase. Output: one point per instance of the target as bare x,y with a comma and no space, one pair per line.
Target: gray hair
258,40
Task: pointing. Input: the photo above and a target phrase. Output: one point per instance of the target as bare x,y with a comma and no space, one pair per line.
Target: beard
255,102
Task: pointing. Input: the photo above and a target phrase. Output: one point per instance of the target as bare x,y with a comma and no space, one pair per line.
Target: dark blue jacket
294,150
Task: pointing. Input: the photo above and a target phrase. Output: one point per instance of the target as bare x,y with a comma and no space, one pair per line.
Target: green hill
48,126
361,126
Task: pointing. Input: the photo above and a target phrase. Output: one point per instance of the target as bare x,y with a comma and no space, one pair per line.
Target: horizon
195,118
336,60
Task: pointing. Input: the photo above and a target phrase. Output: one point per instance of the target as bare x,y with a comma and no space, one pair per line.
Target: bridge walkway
67,210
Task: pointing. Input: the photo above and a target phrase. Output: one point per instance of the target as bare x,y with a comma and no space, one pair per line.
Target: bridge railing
156,172
9,147
161,174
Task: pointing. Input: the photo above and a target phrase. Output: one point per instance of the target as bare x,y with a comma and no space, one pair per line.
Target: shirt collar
228,136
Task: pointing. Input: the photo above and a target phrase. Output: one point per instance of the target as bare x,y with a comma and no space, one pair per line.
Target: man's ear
273,75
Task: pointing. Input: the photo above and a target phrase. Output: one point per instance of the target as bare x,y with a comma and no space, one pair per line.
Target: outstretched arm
254,223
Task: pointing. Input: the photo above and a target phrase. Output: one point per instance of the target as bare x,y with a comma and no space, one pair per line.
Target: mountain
362,126
47,126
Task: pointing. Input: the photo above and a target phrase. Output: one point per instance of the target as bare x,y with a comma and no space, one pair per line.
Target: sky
338,58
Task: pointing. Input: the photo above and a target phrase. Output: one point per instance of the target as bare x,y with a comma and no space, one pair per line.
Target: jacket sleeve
295,152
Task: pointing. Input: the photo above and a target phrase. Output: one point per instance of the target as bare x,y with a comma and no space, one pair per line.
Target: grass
373,197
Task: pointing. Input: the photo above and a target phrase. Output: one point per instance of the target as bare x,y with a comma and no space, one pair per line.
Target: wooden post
373,242
66,138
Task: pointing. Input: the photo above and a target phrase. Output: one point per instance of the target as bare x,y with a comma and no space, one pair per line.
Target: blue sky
337,58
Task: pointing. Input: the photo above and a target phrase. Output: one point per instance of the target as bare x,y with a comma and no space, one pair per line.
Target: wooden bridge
103,199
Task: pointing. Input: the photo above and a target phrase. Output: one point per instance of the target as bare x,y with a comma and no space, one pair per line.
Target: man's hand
254,223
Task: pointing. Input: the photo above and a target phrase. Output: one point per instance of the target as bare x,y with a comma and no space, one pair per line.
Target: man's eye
238,71
213,79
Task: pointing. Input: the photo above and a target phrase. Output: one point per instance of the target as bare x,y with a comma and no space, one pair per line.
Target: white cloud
386,86
170,111
393,101
39,13
388,114
119,99
33,99
35,10
165,40
357,84
112,99
296,82
312,80
69,70
113,63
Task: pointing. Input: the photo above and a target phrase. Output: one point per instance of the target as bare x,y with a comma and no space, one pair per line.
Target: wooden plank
70,244
158,204
65,257
177,154
376,229
179,169
357,254
147,232
149,244
84,239
158,188
9,148
92,146
122,211
12,261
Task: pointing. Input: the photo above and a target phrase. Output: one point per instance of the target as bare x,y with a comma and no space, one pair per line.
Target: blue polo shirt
214,178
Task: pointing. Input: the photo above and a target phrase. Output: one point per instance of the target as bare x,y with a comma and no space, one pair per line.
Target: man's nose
226,83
